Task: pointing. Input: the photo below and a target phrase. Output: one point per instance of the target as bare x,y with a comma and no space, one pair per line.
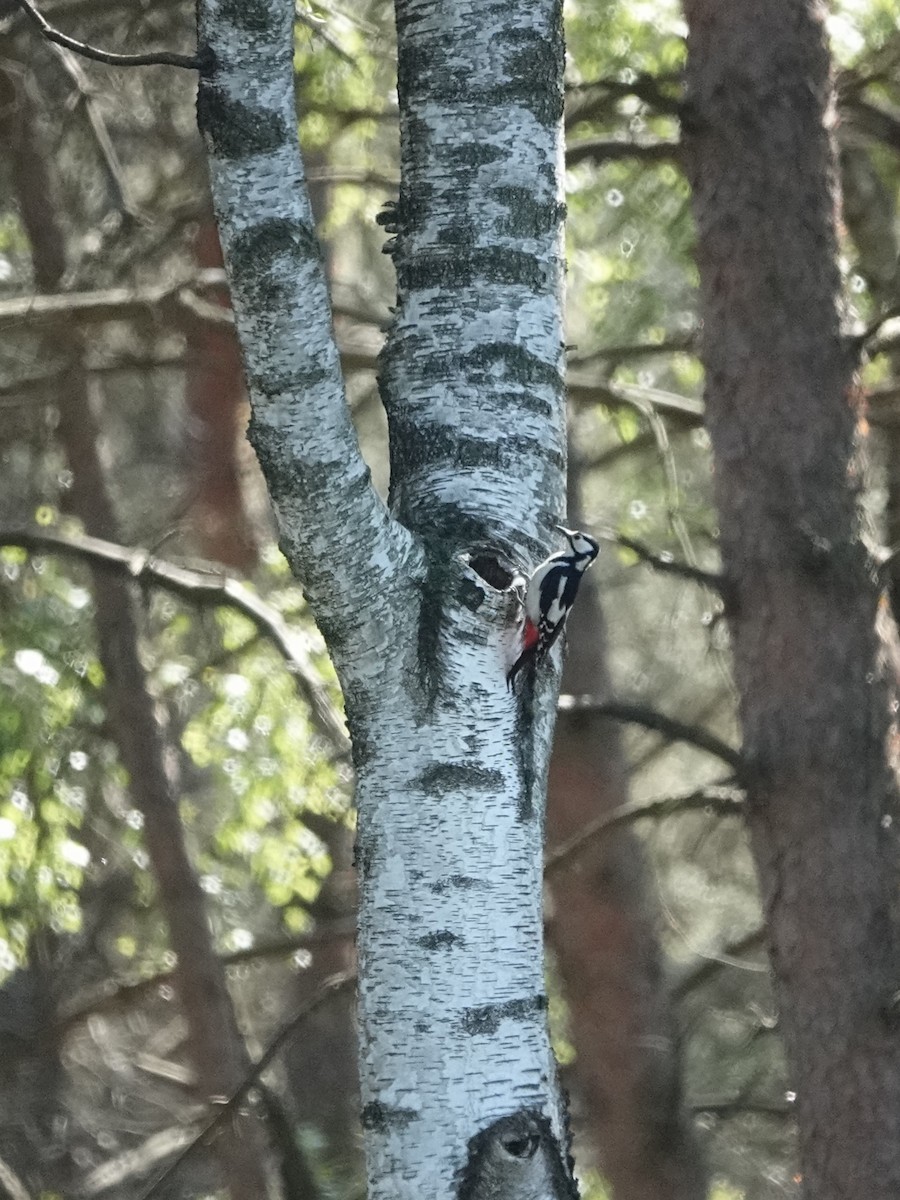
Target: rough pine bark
415,598
781,412
627,1071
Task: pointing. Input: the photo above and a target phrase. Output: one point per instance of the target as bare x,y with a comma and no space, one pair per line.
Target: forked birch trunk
416,598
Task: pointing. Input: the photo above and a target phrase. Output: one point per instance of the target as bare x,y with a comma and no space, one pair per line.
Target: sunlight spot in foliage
32,662
74,853
126,946
239,939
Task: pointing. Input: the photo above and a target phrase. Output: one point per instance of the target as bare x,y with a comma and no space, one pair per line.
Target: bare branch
587,101
210,586
601,150
650,718
116,304
686,343
334,986
723,801
666,404
664,562
741,1108
157,58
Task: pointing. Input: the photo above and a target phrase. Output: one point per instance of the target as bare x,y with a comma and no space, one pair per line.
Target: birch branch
335,531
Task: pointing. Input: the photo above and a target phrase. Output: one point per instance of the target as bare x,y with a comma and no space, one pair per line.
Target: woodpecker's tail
527,658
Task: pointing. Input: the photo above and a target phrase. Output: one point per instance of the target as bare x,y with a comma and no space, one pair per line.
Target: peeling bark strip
822,801
417,607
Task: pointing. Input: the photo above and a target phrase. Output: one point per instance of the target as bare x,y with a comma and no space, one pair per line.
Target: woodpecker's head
584,548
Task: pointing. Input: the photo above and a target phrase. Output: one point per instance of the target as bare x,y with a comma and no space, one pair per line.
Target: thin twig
710,963
157,58
11,1183
210,586
330,988
126,993
86,101
650,718
724,801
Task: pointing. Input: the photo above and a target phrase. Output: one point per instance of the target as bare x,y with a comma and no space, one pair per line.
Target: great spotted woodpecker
549,596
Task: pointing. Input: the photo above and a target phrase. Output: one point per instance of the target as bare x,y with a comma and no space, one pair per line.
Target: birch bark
415,599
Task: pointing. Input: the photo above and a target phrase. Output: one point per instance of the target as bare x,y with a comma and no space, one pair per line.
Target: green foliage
49,712
260,768
266,770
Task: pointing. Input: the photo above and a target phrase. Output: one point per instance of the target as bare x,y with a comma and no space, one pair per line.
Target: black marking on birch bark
432,591
254,251
517,1158
441,778
525,808
528,217
358,706
362,858
487,1018
233,129
427,443
443,939
471,155
271,381
256,16
465,883
383,1117
485,265
519,366
469,594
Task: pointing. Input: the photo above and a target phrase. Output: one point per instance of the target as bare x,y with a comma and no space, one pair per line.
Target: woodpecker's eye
524,1146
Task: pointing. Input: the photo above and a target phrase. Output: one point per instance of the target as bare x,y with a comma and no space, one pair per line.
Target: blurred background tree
171,761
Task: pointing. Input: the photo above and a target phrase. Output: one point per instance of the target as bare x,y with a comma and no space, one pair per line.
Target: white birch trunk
459,1084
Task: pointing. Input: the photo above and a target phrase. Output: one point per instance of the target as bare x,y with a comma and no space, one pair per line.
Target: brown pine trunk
821,798
627,1069
215,400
